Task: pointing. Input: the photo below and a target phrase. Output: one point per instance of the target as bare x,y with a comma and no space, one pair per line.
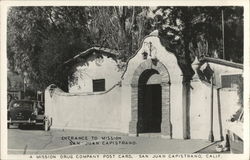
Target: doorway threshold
150,135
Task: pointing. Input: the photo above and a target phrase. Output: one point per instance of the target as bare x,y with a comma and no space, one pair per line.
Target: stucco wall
200,110
125,107
100,112
85,72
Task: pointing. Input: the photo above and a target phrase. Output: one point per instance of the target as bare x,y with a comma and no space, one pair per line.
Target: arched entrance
150,100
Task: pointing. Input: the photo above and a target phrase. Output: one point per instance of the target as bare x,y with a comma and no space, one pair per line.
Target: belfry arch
141,77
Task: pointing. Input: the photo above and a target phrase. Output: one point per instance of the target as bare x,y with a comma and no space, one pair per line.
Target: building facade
147,96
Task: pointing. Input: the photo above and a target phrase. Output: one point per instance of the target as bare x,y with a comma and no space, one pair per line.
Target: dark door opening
150,109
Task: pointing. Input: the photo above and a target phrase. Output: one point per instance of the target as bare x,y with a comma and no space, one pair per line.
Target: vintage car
27,112
235,132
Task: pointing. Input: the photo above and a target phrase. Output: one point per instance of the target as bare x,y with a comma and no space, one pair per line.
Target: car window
22,104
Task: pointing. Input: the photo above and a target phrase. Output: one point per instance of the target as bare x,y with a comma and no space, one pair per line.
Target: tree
41,39
121,28
182,29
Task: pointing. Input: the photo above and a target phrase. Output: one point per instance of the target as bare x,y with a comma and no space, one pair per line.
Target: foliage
183,28
120,28
41,39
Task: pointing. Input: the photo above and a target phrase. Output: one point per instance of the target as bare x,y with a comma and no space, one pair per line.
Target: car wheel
20,126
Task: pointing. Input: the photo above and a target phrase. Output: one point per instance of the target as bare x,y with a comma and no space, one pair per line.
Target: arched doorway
150,99
149,102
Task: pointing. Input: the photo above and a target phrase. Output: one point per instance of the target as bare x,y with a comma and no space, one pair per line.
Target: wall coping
223,62
58,91
86,52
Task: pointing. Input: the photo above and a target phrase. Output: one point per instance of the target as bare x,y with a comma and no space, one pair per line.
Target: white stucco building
147,96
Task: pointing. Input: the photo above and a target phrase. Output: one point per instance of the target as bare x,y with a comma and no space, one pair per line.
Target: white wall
86,72
200,109
100,112
125,107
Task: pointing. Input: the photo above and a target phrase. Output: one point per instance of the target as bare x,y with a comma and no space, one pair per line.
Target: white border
3,58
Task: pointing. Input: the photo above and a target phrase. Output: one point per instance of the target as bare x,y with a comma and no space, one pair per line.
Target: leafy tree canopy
40,39
182,28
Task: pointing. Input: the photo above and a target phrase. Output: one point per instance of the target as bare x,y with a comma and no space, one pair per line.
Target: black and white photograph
112,81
